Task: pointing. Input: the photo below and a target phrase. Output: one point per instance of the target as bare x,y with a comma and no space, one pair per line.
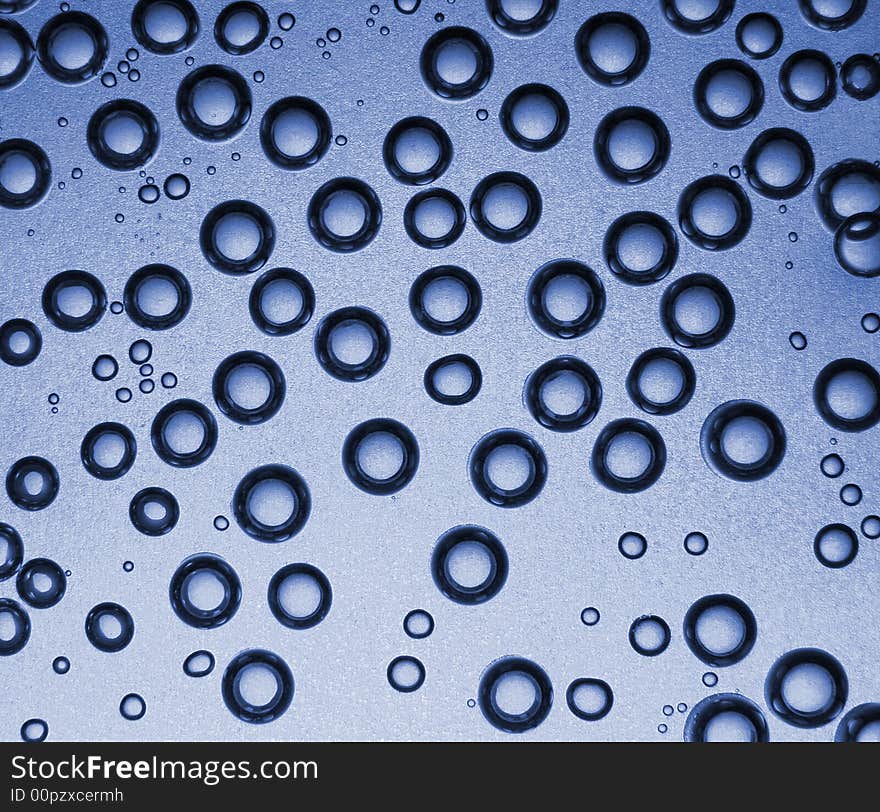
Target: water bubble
696,543
515,694
456,63
806,687
25,174
299,596
798,341
257,686
714,213
860,724
779,163
631,145
272,503
629,455
563,394
286,21
132,707
832,466
728,94
205,591
743,440
259,76
20,342
109,627
857,244
506,206
534,117
237,237
453,380
860,76
16,53
34,730
275,43
850,494
380,456
445,300
725,718
434,218
697,16
613,48
418,624
847,394
590,616
632,545
589,699
649,635
830,15
61,665
847,188
214,103
697,311
417,150
406,674
241,27
198,664
508,468
870,322
808,80
165,26
72,47
407,6
123,134
836,546
344,215
759,35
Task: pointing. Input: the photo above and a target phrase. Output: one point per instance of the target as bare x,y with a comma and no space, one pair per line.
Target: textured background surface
376,550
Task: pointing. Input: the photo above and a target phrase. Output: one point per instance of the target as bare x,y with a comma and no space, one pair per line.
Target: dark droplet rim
530,219
104,153
322,126
569,328
468,315
820,394
257,529
507,497
261,253
409,449
35,342
186,610
300,621
528,719
96,33
191,33
369,366
238,705
640,57
482,56
19,495
186,106
300,320
712,447
90,442
584,414
64,321
449,360
223,396
599,463
97,637
589,716
775,697
688,381
368,229
187,459
142,521
726,311
146,320
740,651
499,566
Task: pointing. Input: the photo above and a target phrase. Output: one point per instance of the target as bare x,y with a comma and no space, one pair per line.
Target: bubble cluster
464,328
